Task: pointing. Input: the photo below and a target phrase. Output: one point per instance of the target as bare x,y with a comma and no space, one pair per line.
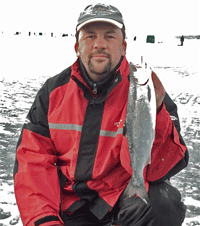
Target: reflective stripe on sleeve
106,133
65,126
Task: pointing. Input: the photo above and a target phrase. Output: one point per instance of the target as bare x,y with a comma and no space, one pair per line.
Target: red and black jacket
72,148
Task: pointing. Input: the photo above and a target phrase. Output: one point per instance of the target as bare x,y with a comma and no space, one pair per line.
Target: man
182,40
72,163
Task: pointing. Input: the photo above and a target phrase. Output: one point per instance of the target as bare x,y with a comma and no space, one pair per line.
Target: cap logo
105,10
99,8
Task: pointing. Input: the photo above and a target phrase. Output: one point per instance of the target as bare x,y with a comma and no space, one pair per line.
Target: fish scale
140,123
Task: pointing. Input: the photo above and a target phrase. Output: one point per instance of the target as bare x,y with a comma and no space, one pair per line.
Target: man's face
100,47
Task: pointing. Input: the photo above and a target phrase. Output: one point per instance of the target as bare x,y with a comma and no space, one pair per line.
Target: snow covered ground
26,62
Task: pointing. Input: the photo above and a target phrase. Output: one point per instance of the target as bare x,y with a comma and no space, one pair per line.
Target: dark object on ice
4,215
150,39
135,38
17,33
40,33
14,221
182,40
65,35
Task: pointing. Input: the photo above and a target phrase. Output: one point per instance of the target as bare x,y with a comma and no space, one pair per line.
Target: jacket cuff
176,139
46,220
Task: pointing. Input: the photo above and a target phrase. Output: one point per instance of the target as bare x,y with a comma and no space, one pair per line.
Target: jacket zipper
95,88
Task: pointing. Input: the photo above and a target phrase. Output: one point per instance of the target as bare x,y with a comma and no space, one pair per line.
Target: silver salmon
140,124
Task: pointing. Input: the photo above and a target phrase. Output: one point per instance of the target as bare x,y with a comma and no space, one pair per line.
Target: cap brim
118,24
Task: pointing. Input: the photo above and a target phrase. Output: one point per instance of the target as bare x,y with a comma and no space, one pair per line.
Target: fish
140,126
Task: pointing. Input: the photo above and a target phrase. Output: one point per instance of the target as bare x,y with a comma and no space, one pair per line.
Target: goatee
103,70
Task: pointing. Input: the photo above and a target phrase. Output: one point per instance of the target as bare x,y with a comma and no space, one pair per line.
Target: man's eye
110,36
90,36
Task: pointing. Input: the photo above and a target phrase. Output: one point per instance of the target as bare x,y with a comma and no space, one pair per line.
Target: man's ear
76,47
124,48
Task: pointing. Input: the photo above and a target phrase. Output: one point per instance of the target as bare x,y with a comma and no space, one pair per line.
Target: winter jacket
72,149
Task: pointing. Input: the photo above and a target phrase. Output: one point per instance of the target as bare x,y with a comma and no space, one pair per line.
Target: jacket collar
98,87
79,72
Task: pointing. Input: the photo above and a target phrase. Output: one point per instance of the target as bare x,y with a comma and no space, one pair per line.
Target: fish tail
142,193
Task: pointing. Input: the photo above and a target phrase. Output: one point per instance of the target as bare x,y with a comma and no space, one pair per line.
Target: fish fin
139,191
142,193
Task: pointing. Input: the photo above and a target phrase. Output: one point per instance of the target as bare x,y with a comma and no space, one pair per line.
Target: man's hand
159,91
142,74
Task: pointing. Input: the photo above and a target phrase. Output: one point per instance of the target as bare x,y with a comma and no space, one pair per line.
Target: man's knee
165,208
134,211
166,203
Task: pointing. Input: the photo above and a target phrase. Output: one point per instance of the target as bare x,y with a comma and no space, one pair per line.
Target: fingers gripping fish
140,123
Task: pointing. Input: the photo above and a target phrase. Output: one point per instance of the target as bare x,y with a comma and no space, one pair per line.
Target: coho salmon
140,124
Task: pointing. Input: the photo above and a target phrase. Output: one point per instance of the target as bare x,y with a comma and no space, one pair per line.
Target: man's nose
99,43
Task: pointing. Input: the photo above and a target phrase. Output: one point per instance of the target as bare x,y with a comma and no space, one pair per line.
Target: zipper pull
95,88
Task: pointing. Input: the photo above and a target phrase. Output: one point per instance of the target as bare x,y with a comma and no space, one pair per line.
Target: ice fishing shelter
150,39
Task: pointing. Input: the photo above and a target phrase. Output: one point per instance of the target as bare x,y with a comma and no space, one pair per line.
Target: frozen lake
26,62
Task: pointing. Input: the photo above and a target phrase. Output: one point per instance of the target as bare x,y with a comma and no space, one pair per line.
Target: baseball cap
100,12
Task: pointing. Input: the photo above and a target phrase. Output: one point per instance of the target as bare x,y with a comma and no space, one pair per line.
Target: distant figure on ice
135,38
182,40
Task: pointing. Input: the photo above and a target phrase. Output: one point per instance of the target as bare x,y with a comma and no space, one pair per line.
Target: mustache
99,52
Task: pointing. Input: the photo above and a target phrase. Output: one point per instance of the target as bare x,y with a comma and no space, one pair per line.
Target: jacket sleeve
169,152
36,181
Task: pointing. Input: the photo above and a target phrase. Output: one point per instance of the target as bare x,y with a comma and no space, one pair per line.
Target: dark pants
165,209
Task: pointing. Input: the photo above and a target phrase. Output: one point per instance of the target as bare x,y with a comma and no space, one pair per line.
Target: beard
101,70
